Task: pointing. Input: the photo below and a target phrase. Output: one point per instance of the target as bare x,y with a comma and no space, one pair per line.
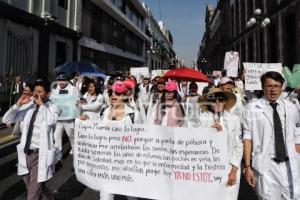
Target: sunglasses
111,92
217,99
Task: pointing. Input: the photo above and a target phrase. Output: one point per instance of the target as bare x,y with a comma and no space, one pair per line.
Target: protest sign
253,72
231,63
67,105
239,84
217,73
139,71
127,159
201,86
157,72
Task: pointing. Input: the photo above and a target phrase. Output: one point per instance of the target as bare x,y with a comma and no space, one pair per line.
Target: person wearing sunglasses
133,99
169,111
118,112
214,114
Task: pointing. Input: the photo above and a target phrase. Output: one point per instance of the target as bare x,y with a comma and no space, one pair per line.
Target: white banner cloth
151,161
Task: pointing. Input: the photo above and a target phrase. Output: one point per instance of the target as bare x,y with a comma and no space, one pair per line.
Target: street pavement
64,182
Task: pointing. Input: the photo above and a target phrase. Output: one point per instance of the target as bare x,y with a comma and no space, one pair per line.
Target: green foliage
293,78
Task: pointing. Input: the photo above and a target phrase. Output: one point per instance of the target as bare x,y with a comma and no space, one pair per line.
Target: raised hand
24,99
38,100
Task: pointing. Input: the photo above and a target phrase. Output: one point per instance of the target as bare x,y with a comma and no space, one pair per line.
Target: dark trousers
35,190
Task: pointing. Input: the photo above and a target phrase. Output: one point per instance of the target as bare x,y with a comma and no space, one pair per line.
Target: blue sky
186,21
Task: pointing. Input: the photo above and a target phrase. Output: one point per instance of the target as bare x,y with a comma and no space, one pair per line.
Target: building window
243,20
232,22
60,53
251,49
250,9
272,43
63,4
237,16
290,36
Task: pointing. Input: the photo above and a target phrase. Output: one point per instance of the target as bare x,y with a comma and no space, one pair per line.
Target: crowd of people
264,126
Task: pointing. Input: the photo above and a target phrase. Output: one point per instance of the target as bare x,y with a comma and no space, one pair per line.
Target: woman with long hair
91,102
169,111
118,112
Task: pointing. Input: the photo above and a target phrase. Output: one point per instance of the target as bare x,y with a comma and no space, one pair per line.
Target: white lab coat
258,123
93,105
46,151
231,126
127,120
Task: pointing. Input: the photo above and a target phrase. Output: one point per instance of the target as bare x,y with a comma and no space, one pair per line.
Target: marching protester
157,93
191,103
183,88
91,102
27,96
215,113
272,143
118,112
169,111
35,151
144,92
18,88
210,85
227,84
64,88
133,99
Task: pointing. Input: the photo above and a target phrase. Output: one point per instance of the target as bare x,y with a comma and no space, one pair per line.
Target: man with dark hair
65,123
272,143
36,150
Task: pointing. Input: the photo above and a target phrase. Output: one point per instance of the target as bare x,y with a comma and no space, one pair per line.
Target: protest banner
150,161
231,63
253,72
67,105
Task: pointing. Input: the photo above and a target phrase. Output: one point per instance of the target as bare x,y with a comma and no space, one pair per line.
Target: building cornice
106,48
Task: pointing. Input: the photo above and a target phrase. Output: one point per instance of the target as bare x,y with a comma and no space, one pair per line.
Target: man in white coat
36,150
272,143
65,123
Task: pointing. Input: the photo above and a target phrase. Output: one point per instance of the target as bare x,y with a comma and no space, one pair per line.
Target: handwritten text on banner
253,72
151,161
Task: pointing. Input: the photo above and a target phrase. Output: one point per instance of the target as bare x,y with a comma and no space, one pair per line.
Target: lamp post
258,21
150,51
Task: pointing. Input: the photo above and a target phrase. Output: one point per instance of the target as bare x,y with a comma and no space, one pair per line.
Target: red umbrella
187,74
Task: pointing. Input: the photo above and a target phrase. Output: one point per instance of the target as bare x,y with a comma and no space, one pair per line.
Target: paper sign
217,73
157,72
67,104
150,161
253,72
231,63
139,71
239,84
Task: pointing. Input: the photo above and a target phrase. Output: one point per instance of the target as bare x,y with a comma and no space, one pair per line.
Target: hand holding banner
127,159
